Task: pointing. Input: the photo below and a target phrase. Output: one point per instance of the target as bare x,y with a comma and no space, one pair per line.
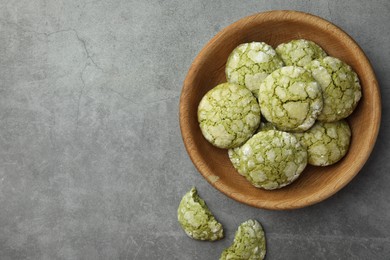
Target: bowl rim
184,118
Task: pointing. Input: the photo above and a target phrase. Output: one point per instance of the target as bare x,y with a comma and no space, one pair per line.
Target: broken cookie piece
249,243
196,219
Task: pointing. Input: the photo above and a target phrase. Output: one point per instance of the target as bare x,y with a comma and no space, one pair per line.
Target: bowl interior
208,70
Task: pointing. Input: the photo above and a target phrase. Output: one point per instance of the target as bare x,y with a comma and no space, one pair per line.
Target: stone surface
92,165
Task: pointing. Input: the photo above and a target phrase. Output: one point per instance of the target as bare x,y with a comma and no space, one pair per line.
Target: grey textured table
92,164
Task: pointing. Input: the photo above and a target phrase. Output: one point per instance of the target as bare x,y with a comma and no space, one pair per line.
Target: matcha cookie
270,159
250,63
340,86
299,52
196,219
291,99
228,115
249,243
326,143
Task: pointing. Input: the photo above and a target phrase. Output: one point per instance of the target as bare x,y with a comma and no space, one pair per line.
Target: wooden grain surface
208,69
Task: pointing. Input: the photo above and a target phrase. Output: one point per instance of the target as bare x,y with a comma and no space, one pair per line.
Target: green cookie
299,52
270,159
340,86
290,99
326,143
250,63
196,219
228,115
249,243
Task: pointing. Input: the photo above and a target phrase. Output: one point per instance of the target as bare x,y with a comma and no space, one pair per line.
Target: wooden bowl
208,69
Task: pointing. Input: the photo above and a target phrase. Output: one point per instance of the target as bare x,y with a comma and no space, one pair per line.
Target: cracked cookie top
290,99
250,63
299,52
228,115
326,143
270,160
340,86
